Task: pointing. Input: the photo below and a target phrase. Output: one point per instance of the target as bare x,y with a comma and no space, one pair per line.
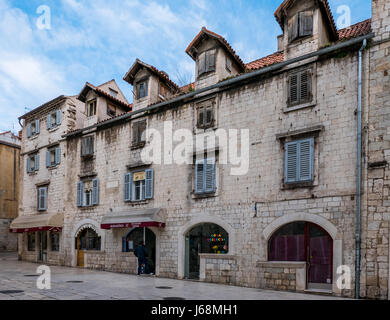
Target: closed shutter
28,164
201,117
80,192
90,145
293,89
305,86
146,88
135,134
48,121
305,23
291,162
209,176
199,176
48,162
44,198
58,155
28,130
141,131
306,155
83,145
95,191
58,117
36,167
149,173
127,186
37,126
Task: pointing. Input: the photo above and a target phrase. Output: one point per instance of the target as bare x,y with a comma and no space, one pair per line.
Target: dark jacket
139,252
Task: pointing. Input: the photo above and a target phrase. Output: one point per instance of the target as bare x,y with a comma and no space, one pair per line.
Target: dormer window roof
205,34
281,14
138,65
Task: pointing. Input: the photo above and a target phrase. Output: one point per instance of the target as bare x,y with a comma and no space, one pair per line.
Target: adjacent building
290,220
9,188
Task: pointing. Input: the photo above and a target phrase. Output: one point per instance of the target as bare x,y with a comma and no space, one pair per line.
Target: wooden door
80,254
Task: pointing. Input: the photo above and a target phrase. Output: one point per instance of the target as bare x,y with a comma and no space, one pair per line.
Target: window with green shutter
42,198
300,25
53,157
205,176
139,185
299,161
206,62
299,88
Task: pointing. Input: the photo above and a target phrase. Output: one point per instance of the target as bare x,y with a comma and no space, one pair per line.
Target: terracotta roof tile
266,61
356,30
106,94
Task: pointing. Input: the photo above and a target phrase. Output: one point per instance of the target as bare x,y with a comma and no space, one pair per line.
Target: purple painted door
319,255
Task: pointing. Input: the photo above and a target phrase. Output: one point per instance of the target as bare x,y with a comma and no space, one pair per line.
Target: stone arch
288,218
81,225
320,221
200,219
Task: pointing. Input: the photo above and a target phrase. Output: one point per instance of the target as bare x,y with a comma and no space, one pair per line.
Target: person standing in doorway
140,253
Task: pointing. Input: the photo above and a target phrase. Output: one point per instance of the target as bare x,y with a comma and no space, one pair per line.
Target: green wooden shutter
306,159
209,175
28,164
291,162
58,117
58,155
305,86
48,162
48,121
127,186
199,176
210,60
36,167
124,244
28,130
293,89
37,126
80,192
95,191
293,29
305,23
149,177
201,64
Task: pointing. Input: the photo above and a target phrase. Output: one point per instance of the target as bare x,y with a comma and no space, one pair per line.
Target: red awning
136,218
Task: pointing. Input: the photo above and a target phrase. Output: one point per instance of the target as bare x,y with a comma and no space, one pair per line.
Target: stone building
284,215
9,188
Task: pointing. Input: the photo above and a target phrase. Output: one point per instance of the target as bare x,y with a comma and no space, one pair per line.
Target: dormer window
206,62
91,108
142,89
301,25
228,64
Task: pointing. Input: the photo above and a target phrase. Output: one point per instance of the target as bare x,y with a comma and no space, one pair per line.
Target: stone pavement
100,285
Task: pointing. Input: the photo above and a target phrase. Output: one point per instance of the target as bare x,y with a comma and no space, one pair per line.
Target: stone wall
218,268
8,240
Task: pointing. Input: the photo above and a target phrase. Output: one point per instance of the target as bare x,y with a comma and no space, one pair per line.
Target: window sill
204,195
32,173
299,107
55,128
138,202
138,145
296,185
87,157
34,137
88,207
53,167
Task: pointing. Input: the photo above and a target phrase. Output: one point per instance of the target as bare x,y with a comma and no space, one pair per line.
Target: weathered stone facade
253,206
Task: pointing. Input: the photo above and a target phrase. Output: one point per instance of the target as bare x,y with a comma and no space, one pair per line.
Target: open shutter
210,60
305,86
80,192
199,176
48,162
291,162
44,198
202,64
28,164
209,175
293,92
306,154
293,29
146,88
135,133
36,167
95,191
141,131
305,23
28,130
127,186
58,155
149,177
58,117
48,121
37,126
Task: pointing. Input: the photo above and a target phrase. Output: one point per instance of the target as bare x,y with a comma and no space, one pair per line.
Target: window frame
309,83
35,158
31,240
88,111
90,149
54,245
129,189
57,156
204,65
82,192
201,109
296,30
145,84
39,198
205,190
136,133
57,116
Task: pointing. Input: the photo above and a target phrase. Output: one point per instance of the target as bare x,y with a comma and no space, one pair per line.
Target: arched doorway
147,236
203,238
308,242
87,239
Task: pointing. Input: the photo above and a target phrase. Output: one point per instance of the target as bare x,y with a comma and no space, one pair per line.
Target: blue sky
98,40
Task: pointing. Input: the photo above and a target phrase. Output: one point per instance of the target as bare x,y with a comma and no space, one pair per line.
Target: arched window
88,240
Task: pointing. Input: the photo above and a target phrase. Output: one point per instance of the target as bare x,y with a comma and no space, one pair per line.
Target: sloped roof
266,61
324,5
88,86
356,30
138,64
222,40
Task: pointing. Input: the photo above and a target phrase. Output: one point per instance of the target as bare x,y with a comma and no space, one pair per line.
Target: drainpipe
359,173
